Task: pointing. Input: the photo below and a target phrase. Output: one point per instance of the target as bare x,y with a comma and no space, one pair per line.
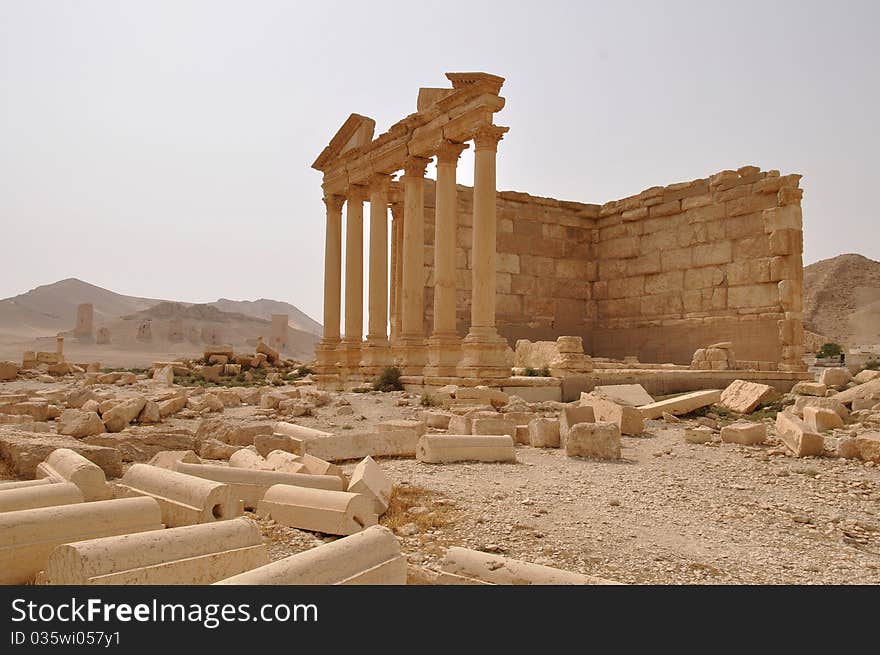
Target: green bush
536,372
829,350
872,364
388,380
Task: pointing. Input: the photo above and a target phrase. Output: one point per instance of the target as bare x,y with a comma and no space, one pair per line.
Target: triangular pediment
356,132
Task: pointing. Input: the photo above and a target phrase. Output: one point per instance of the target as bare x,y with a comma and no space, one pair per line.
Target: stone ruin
103,336
85,326
278,338
145,331
653,276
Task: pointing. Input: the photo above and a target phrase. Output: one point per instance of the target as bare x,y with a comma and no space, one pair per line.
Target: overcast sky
163,149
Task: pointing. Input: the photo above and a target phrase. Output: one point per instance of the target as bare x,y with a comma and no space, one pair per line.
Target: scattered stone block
499,570
318,510
572,415
459,425
865,446
249,459
866,376
168,459
120,415
8,370
183,499
437,420
828,403
629,419
370,557
250,485
797,435
493,426
744,433
684,404
189,555
24,451
447,448
600,440
65,465
213,449
285,462
266,443
164,376
835,377
820,419
27,537
809,389
369,479
78,423
699,434
633,395
40,495
235,433
494,397
544,432
745,397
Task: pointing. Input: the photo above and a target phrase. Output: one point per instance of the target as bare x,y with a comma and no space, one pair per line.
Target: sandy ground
669,512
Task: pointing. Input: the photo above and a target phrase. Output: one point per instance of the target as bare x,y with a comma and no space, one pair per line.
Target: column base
444,355
484,355
376,356
410,355
327,364
350,360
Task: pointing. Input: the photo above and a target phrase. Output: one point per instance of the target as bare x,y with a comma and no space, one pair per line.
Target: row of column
482,354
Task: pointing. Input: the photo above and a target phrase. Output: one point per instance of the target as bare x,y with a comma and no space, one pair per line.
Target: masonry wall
715,259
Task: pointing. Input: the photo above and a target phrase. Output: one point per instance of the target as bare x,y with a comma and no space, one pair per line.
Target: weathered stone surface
821,419
171,406
864,446
490,568
809,389
745,397
369,479
78,423
213,449
167,459
599,440
544,432
79,397
797,435
744,433
23,451
866,376
493,426
8,370
446,448
494,397
164,376
632,395
118,418
699,434
683,404
234,432
266,443
628,419
571,415
150,413
38,410
829,403
139,444
835,377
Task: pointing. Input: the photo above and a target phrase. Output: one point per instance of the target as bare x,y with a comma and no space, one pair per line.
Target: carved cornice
334,203
448,152
415,166
357,193
487,136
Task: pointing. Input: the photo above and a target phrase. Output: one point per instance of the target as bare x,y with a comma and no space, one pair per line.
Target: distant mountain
842,299
264,308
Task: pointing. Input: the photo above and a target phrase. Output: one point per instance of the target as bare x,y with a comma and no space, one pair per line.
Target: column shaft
378,305
332,268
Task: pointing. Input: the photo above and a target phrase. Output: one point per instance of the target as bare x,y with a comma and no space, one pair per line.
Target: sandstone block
79,424
168,459
572,415
24,451
679,405
820,419
164,376
171,406
499,570
65,465
700,434
835,377
8,370
864,446
39,495
632,395
249,459
629,419
118,417
544,432
745,397
446,448
599,440
744,433
369,479
493,426
318,510
213,449
797,435
866,376
829,403
280,460
809,389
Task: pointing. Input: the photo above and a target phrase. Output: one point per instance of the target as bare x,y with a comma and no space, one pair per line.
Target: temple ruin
650,278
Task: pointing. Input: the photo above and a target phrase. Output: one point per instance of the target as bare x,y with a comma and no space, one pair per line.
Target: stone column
444,346
411,349
396,268
376,351
326,353
484,351
354,281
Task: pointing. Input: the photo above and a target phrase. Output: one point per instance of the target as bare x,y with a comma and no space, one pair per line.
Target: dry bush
406,497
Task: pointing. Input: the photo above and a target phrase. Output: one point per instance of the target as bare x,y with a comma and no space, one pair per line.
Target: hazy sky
162,149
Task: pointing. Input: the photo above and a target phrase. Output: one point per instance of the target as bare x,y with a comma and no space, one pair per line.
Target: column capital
415,166
357,193
448,152
379,183
397,211
487,136
334,203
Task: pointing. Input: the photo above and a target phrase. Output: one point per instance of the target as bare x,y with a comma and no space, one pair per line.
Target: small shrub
872,365
829,349
388,380
536,372
428,400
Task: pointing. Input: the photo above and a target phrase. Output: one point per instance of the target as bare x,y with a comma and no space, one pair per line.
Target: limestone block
783,218
493,426
370,557
459,425
213,449
79,424
499,570
317,466
797,435
437,420
394,438
572,415
632,395
866,376
600,440
865,446
820,419
189,555
318,510
23,451
65,465
868,389
701,434
164,376
266,443
150,413
744,433
369,479
27,537
570,344
118,417
544,432
745,397
167,459
494,397
537,354
8,370
285,462
809,389
835,377
250,485
629,419
42,495
171,406
679,405
36,409
183,499
236,433
249,459
446,448
829,403
522,435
